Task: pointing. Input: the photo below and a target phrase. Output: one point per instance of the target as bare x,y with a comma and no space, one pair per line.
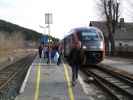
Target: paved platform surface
50,82
119,63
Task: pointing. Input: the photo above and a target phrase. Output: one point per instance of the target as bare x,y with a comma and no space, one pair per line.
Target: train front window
88,36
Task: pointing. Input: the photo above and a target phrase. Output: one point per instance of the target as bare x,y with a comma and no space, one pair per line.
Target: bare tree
110,8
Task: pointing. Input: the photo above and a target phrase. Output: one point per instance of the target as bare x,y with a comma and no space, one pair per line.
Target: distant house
123,35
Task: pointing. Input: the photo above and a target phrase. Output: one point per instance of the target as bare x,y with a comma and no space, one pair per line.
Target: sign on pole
44,39
48,18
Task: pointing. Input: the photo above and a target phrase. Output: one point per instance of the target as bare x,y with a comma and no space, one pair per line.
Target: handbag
56,57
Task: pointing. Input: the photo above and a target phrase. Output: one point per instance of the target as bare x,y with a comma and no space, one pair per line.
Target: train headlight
84,47
101,45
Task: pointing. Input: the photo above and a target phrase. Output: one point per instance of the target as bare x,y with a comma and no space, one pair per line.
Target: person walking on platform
60,54
49,55
40,48
45,49
75,61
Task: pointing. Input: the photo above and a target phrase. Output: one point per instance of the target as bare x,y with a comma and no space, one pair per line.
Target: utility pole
49,34
48,21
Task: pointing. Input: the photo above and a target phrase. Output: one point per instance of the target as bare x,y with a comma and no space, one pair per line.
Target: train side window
73,38
70,41
78,35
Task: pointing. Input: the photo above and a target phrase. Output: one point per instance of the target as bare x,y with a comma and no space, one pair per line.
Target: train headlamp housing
101,45
84,47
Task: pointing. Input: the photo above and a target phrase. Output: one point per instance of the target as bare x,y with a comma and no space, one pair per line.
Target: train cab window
88,36
100,35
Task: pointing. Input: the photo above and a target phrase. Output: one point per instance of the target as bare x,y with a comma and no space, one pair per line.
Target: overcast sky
67,14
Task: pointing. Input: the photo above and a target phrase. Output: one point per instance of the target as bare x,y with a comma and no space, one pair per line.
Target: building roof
124,31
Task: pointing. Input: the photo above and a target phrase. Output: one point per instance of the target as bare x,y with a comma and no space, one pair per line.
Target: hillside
14,36
10,28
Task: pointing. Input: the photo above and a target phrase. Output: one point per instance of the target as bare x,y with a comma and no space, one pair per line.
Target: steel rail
15,69
105,88
111,83
121,76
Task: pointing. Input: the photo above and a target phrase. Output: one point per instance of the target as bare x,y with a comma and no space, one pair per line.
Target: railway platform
50,82
121,64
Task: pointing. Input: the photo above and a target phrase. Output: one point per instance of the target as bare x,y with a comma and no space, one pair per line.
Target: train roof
82,29
85,28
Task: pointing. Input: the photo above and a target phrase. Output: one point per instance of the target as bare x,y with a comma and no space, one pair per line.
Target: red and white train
92,44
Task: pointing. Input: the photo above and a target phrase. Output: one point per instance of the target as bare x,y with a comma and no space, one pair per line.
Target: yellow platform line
70,91
37,86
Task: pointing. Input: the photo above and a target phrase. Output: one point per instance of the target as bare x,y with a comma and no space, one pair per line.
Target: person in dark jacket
40,48
60,54
75,56
49,55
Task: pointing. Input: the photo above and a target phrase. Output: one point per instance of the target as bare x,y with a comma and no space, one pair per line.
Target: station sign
48,18
44,39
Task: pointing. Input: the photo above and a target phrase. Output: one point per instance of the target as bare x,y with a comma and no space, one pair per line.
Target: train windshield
90,35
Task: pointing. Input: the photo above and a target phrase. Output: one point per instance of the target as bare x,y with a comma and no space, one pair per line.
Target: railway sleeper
117,74
117,81
107,89
126,93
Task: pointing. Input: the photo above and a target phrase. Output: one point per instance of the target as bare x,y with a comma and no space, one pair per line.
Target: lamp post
48,21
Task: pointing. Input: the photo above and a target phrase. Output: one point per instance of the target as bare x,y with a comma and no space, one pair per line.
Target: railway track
118,86
13,74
